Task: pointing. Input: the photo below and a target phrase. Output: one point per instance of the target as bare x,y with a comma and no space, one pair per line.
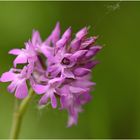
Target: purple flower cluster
57,68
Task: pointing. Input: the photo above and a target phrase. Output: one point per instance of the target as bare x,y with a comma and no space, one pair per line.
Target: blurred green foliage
114,112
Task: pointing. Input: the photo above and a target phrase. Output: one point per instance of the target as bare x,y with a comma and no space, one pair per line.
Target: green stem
18,115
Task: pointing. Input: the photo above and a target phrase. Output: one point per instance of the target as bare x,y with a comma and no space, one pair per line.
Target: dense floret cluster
58,68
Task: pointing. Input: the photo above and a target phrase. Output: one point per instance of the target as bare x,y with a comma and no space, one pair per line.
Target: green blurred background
115,111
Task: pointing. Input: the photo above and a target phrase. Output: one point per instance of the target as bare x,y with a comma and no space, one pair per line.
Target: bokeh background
115,110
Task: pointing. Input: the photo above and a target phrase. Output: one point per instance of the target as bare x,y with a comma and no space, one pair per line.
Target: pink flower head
58,68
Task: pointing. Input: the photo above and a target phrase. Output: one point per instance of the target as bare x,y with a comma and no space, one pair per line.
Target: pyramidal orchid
57,69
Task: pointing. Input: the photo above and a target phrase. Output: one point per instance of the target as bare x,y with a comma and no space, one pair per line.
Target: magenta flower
58,68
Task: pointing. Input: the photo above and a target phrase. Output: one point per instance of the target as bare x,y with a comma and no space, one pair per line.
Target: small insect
109,9
113,7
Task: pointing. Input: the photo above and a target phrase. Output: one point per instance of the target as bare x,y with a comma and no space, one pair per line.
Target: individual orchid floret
26,55
18,82
61,64
49,91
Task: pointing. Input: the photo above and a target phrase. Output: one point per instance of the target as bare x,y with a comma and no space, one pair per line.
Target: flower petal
36,39
82,33
88,42
11,88
93,51
39,89
7,76
55,82
20,59
62,102
77,89
68,74
65,38
54,70
91,64
84,84
84,98
67,34
47,51
53,100
21,90
63,91
72,120
15,51
55,35
44,99
75,45
81,71
78,54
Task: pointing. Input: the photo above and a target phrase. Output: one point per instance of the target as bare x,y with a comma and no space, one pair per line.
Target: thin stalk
18,115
